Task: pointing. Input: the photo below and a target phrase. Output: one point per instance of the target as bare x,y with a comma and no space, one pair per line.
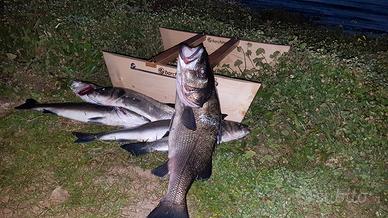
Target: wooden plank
245,52
221,52
159,83
172,53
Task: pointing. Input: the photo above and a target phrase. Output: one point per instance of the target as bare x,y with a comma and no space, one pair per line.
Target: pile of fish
188,130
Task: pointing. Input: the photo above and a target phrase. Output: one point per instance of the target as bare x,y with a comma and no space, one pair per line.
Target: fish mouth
188,54
190,89
192,78
86,90
82,88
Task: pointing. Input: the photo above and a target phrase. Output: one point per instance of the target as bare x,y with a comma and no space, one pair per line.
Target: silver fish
194,130
120,97
147,132
141,148
230,131
89,113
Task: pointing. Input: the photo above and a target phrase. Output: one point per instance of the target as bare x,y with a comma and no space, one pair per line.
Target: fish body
193,132
120,97
148,132
230,131
141,148
89,113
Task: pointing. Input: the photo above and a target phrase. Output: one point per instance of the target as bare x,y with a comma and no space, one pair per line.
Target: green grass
318,145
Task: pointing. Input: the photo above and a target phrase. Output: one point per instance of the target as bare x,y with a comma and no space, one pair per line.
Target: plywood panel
159,83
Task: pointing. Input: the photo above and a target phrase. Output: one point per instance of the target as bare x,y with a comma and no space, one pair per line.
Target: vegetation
318,145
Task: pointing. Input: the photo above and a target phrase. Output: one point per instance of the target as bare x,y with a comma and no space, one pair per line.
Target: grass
318,145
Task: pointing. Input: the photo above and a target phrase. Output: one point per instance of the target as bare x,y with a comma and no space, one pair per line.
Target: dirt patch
6,107
19,203
145,190
142,188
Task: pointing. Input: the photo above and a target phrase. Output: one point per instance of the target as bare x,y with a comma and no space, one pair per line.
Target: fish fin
171,105
30,103
136,149
161,170
223,116
188,118
84,137
166,209
45,111
206,173
95,118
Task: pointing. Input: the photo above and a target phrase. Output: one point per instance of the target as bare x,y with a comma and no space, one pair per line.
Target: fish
141,148
120,97
194,130
88,113
230,131
148,132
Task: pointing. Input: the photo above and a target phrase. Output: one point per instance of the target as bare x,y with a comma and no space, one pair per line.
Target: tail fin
169,210
84,137
30,103
136,149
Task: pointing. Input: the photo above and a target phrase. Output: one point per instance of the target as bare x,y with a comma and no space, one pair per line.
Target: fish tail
30,103
136,149
84,137
168,210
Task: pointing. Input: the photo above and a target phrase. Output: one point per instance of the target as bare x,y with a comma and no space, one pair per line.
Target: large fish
89,113
132,100
230,131
194,130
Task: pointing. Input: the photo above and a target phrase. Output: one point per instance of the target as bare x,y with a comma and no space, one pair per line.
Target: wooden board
159,83
242,57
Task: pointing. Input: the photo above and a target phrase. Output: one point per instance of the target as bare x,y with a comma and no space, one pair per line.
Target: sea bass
194,129
120,97
89,113
149,132
155,130
230,131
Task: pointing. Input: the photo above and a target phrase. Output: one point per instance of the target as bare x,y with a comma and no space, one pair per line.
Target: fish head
194,76
234,130
244,130
239,130
105,95
82,88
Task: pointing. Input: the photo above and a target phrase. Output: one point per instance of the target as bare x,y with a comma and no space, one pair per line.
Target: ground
318,145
